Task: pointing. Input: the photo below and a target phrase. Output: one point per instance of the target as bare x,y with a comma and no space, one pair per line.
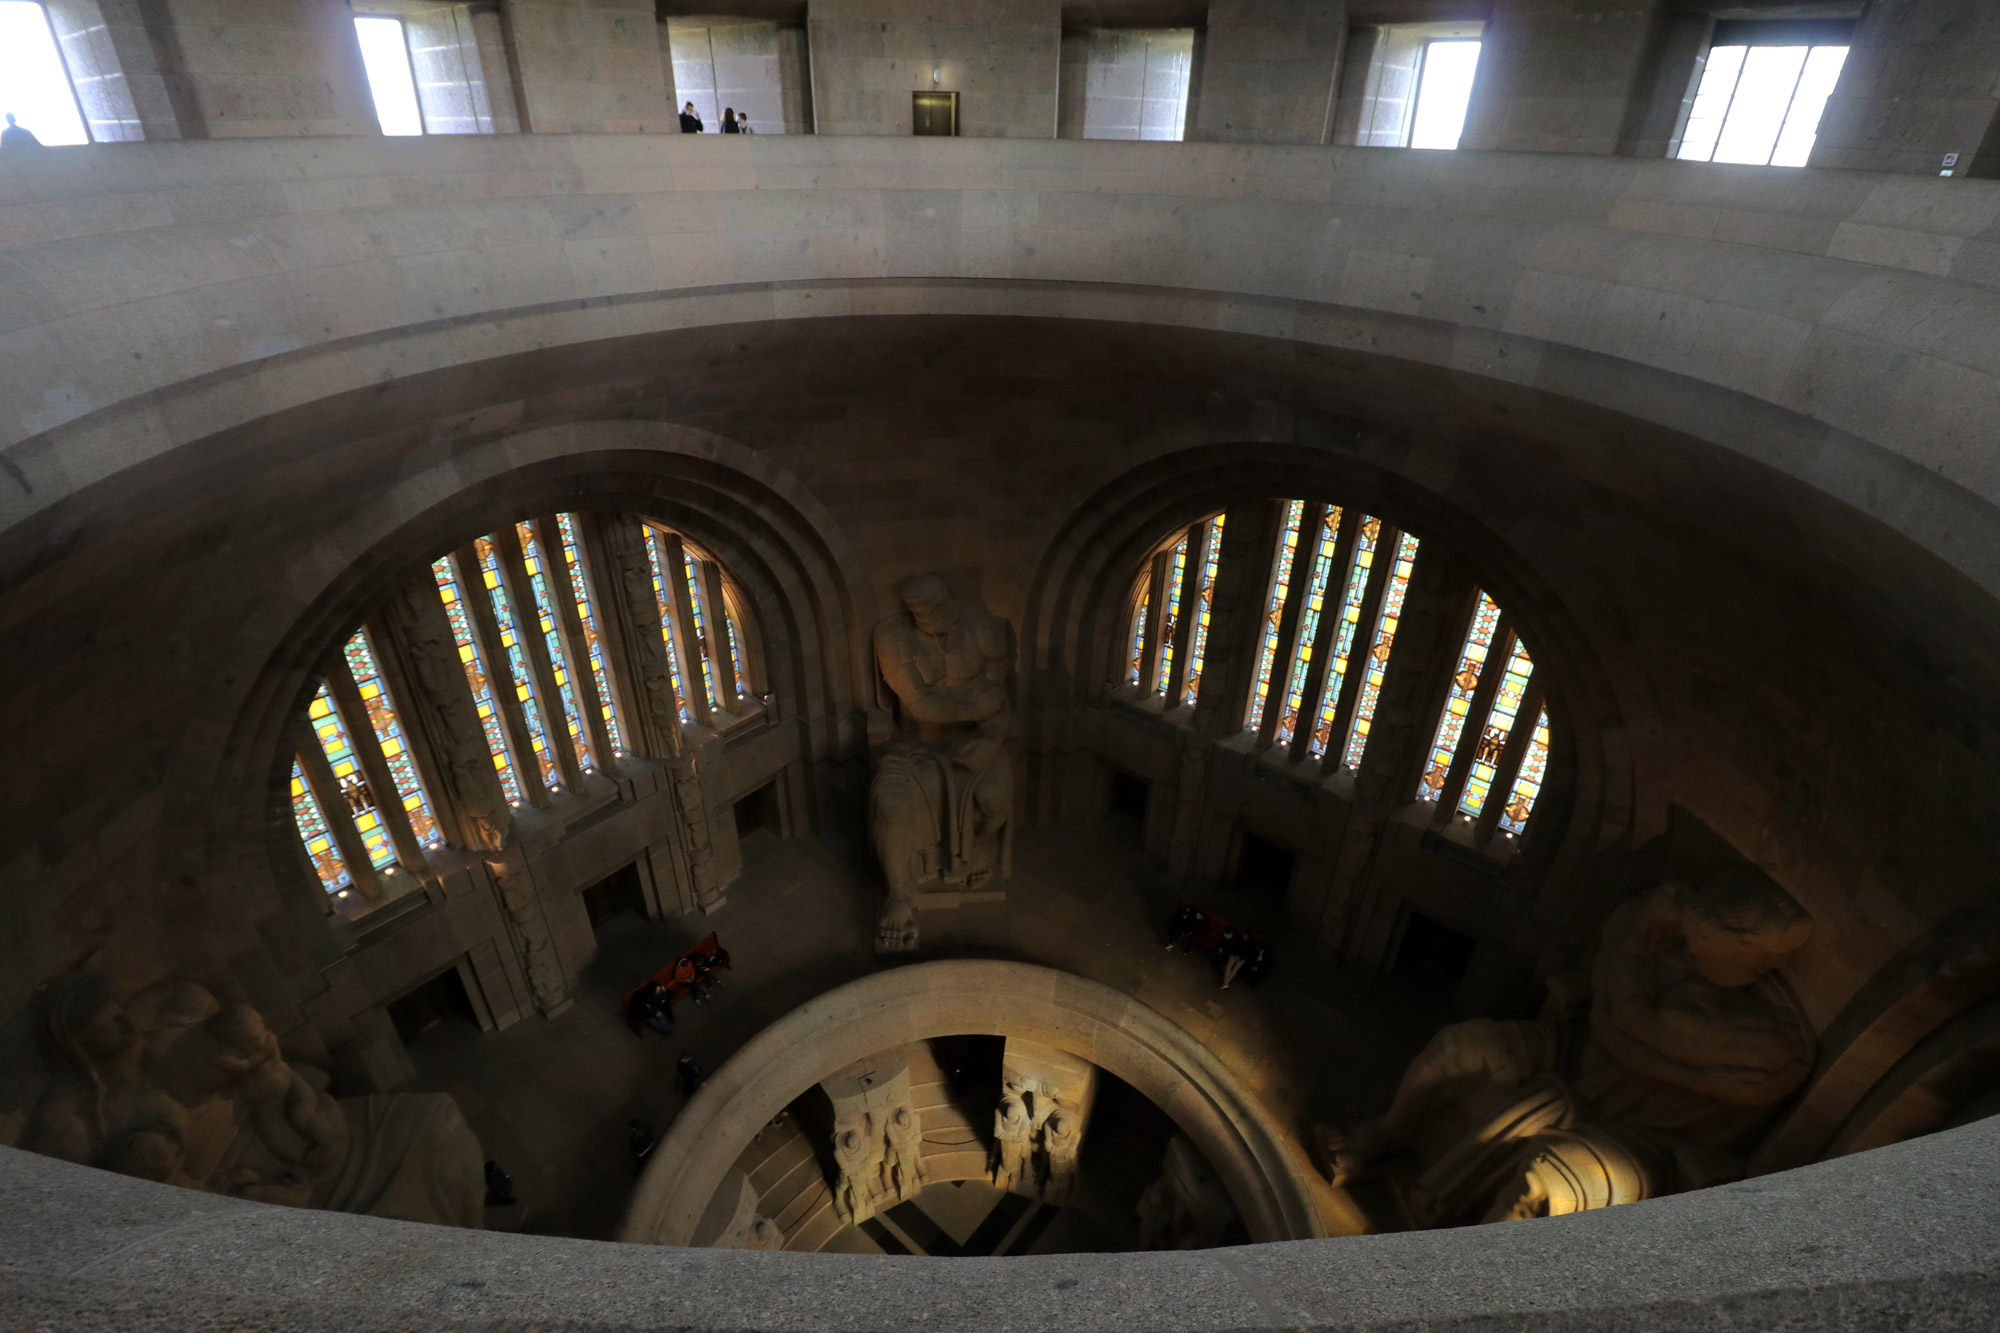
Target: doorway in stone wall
617,893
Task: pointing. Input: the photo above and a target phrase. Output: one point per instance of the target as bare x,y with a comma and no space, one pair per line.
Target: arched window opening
552,650
1327,598
1493,734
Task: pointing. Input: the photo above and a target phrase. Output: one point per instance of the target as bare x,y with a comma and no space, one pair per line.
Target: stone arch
778,542
1257,1160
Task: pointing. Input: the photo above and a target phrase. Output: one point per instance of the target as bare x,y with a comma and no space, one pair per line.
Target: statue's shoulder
894,628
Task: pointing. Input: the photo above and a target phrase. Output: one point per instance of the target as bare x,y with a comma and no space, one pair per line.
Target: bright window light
1760,105
1443,94
33,83
387,56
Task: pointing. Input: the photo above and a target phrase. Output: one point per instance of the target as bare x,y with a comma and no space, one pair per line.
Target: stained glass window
1492,738
1528,782
517,657
1376,664
1137,656
559,665
668,630
691,570
1464,684
389,735
332,871
476,676
1322,568
1176,567
354,788
586,613
1204,599
1274,608
1354,589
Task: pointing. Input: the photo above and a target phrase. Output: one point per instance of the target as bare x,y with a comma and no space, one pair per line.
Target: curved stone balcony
1837,326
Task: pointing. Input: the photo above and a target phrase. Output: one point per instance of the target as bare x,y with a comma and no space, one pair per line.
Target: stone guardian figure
942,794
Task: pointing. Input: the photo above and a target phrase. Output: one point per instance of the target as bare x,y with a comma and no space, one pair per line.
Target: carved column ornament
447,742
528,927
641,671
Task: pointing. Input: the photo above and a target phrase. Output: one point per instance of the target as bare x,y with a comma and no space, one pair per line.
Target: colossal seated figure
173,1086
942,791
1692,1041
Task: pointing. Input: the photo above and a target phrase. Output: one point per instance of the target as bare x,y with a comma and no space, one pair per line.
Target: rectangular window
385,51
1413,81
388,730
729,67
332,871
586,614
1125,83
1762,91
1443,92
34,82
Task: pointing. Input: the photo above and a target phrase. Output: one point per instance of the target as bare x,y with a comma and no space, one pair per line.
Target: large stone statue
942,793
1692,1041
878,1137
173,1086
1186,1208
1046,1097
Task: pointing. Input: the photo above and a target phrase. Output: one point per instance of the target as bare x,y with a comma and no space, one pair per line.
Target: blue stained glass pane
354,788
535,561
1204,599
388,730
476,676
1353,589
1376,664
332,871
1322,570
1528,783
1492,738
1176,567
1464,683
692,572
668,630
586,612
517,657
1274,608
1137,645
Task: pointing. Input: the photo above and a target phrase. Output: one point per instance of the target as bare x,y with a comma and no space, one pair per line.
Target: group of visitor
732,123
1239,952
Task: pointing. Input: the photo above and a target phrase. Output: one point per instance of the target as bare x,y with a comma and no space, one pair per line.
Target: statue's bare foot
1341,1153
896,932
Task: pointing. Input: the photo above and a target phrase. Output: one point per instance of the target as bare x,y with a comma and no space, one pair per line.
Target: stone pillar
589,69
419,659
113,69
528,929
1566,76
1045,1101
1264,71
497,65
1922,79
999,56
1435,609
248,68
877,1137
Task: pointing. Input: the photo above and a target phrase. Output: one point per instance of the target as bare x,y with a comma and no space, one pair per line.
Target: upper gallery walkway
1841,326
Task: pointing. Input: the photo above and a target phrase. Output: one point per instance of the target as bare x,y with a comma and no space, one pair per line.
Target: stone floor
550,1098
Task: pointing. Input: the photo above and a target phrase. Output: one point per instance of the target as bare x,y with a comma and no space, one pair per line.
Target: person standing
729,125
690,122
689,1074
640,1141
18,136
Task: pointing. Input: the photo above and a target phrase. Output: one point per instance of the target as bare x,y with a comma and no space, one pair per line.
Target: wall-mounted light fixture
937,76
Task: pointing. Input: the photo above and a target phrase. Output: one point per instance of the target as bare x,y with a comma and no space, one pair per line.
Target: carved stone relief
529,929
940,802
1692,1041
173,1086
877,1137
732,1221
1186,1208
1045,1101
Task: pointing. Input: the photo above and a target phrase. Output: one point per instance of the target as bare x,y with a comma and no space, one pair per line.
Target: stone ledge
1904,1237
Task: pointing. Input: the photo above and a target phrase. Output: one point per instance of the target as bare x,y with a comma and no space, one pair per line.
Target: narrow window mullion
558,716
1298,590
722,639
322,849
687,634
1500,794
1381,572
500,648
332,803
517,781
1284,557
1156,618
1491,672
383,790
568,593
1333,611
1186,603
